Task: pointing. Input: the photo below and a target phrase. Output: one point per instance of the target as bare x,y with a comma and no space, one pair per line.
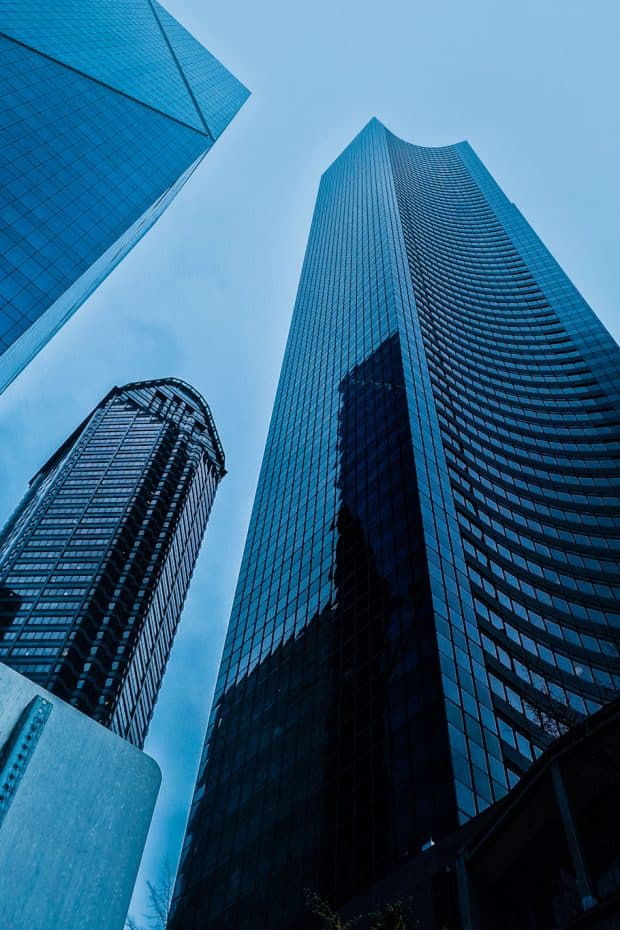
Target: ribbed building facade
96,561
106,109
430,585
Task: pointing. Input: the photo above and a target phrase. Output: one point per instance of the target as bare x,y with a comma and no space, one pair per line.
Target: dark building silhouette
96,561
106,109
545,857
439,487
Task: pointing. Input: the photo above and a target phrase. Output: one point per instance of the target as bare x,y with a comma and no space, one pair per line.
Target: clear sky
207,295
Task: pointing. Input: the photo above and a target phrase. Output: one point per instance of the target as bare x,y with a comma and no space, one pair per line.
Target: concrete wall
72,837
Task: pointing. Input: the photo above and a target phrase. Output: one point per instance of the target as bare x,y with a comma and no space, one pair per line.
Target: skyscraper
431,566
96,561
106,108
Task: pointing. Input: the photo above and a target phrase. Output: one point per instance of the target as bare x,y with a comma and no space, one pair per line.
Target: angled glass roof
217,93
132,46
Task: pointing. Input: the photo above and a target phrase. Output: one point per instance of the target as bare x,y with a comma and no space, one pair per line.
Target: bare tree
160,898
550,716
554,718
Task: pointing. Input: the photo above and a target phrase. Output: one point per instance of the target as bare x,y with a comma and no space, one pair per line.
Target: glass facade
106,108
96,561
430,576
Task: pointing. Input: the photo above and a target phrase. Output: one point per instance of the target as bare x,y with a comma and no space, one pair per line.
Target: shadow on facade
328,762
10,603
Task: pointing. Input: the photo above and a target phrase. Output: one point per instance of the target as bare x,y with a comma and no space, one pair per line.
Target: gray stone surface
73,835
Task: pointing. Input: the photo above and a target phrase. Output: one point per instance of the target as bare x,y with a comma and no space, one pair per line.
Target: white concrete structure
75,806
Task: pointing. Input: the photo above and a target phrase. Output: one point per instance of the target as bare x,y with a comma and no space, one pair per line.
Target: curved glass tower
429,589
96,561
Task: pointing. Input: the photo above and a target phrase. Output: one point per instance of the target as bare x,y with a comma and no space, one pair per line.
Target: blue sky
207,295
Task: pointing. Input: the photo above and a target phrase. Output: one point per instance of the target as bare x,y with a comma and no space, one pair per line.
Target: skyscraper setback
106,108
96,561
431,568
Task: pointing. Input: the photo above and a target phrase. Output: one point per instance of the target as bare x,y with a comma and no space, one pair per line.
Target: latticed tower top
96,561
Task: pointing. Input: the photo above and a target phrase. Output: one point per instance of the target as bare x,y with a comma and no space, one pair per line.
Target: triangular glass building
106,108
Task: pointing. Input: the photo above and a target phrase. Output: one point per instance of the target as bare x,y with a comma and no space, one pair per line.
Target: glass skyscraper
96,561
106,108
431,567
